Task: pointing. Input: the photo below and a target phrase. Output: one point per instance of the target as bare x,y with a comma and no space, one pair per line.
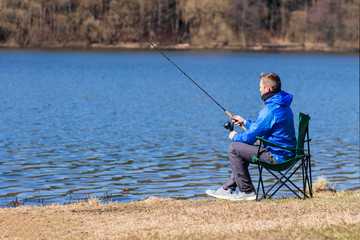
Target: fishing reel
229,125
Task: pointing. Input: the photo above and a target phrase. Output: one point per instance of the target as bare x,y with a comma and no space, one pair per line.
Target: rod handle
231,116
228,113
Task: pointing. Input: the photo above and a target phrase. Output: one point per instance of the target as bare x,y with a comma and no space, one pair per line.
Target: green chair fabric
285,170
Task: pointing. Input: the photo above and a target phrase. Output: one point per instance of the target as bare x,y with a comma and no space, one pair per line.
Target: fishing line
164,55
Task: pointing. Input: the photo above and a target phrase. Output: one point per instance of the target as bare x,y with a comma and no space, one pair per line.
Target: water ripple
124,126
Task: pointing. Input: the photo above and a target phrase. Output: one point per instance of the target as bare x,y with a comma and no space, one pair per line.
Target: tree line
204,23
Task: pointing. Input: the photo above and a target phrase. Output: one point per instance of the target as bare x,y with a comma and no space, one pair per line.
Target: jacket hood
282,98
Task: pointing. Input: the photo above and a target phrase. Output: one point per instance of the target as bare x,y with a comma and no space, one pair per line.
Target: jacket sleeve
261,127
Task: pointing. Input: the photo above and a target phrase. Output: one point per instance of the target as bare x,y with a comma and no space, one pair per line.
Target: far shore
133,46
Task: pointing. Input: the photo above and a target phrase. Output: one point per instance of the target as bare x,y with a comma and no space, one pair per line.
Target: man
274,123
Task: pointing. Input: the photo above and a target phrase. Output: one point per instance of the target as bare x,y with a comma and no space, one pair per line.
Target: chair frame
288,168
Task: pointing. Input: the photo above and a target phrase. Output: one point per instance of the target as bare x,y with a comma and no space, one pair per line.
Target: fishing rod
226,125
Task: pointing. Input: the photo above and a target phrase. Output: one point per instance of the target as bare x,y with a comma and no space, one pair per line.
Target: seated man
274,123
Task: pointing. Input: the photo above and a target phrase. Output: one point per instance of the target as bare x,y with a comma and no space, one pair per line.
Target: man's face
262,88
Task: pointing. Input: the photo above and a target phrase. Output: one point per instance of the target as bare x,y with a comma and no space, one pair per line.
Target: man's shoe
220,193
243,196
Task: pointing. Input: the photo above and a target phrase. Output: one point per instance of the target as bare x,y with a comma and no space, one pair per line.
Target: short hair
271,80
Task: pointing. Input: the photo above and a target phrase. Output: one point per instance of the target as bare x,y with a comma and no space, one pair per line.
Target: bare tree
210,23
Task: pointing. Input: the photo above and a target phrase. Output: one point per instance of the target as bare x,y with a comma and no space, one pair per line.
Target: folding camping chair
285,170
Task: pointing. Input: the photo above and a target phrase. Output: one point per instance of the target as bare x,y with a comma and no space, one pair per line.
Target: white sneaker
221,193
243,196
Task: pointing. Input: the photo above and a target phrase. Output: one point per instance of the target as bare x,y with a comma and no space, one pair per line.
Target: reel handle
229,125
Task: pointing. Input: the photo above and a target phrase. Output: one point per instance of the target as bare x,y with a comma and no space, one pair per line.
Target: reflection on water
125,126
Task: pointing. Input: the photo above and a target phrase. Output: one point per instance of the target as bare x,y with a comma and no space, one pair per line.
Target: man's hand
231,135
239,121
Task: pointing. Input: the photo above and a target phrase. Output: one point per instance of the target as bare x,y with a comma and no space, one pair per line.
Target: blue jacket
275,123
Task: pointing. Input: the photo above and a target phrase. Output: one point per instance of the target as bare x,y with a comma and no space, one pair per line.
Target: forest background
327,25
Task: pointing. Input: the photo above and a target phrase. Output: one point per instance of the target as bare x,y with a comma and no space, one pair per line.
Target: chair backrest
303,129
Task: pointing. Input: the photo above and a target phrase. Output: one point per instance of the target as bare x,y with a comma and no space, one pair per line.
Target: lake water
128,125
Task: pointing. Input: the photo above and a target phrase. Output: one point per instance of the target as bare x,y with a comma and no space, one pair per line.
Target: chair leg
262,184
309,179
283,183
306,171
304,182
308,159
304,177
260,180
260,167
283,180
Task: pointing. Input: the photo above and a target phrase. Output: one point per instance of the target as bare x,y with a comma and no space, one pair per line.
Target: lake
128,125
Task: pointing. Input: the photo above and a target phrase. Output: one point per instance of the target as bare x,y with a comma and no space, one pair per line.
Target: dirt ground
326,216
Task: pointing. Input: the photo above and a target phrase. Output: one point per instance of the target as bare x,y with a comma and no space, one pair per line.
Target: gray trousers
240,156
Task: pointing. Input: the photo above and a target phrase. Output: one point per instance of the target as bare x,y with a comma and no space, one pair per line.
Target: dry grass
327,216
322,184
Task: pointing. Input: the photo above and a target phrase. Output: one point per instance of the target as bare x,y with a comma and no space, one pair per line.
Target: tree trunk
159,20
283,19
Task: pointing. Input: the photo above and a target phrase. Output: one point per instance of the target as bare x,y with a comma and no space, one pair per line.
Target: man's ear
268,89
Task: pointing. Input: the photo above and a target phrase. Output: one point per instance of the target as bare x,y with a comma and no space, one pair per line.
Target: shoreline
142,46
328,215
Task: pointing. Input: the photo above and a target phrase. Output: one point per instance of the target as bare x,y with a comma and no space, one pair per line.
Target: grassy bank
327,216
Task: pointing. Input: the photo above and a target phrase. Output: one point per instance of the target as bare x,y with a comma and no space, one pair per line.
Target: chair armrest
278,146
